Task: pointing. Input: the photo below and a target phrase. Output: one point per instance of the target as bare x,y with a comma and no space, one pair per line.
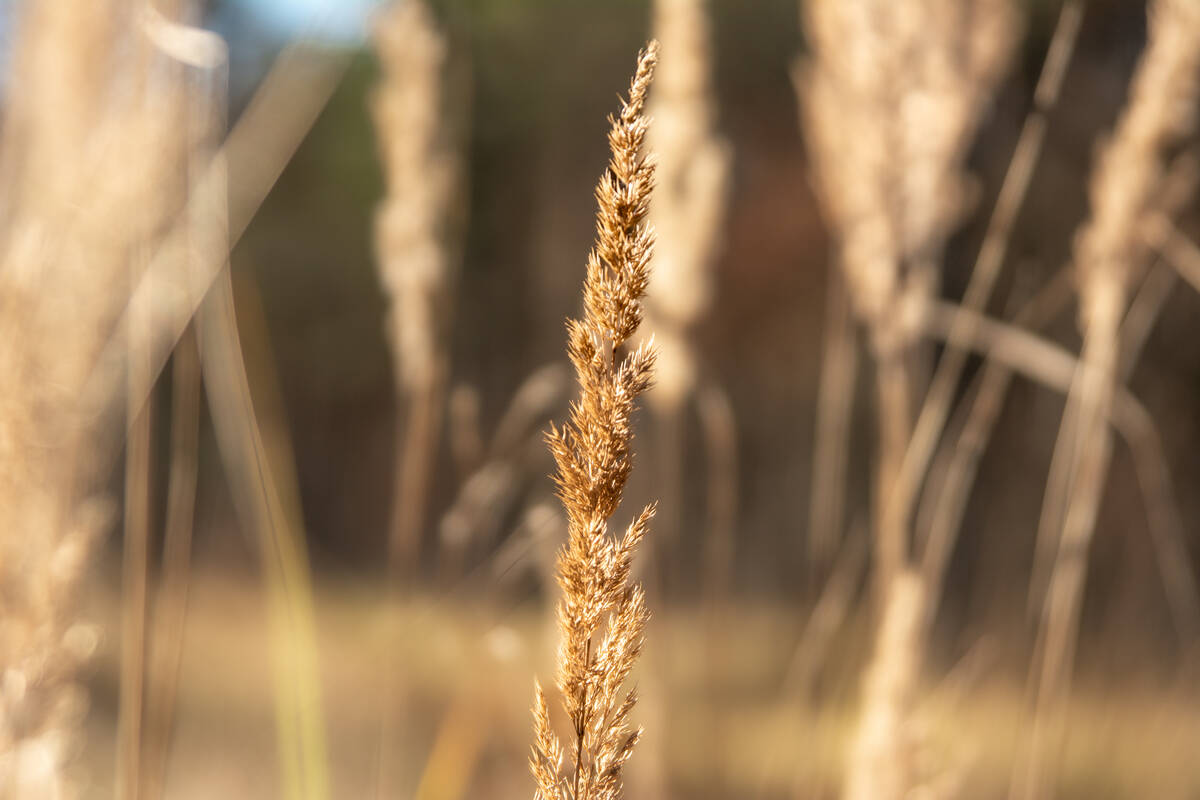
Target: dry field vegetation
945,548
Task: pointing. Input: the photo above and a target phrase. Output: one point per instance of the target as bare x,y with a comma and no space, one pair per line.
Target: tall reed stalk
415,263
594,460
1110,255
88,155
205,58
687,214
421,173
910,79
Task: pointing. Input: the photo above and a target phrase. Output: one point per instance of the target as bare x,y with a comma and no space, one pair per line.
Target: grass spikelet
594,459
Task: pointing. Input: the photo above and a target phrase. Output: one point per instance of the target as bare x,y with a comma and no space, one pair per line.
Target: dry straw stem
1110,255
75,124
953,472
1181,252
488,495
1009,348
687,214
204,54
1053,367
956,465
1175,193
266,135
416,271
172,593
693,176
172,106
88,155
992,253
415,265
829,614
719,423
835,413
910,79
594,460
257,460
455,752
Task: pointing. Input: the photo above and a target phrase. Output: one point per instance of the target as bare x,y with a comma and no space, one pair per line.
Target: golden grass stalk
416,270
693,174
929,425
89,170
171,597
262,142
135,554
954,470
170,106
1110,255
204,55
194,109
415,265
488,495
910,79
256,454
831,445
592,451
687,214
87,148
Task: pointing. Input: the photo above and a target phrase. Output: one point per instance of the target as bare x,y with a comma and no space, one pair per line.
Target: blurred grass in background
535,80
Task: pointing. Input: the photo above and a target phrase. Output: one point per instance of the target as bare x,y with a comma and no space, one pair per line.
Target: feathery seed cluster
593,455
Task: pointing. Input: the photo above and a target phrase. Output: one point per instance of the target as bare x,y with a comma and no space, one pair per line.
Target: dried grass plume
594,459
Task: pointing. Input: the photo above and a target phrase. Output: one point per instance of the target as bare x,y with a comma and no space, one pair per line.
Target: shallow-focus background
418,678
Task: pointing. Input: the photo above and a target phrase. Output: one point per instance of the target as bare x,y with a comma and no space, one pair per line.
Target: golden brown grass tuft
594,460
